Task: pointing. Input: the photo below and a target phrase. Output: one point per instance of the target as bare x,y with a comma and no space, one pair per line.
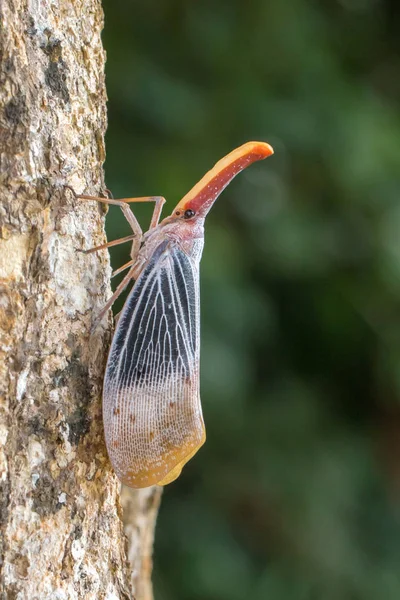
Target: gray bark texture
61,530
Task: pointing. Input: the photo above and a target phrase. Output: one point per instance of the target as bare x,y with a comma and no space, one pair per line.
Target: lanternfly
152,413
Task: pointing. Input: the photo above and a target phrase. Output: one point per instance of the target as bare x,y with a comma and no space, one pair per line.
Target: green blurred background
296,494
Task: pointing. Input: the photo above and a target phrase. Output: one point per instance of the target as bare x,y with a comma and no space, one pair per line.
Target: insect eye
189,213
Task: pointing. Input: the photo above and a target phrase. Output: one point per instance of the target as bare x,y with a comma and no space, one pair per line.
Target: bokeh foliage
296,494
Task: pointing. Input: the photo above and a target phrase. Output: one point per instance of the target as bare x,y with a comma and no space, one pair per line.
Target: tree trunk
60,518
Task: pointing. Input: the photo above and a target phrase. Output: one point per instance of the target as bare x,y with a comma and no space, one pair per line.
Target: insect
152,413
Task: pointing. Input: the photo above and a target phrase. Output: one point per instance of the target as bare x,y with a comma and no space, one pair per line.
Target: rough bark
60,520
140,513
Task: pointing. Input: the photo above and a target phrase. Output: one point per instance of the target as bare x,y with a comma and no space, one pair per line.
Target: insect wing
151,403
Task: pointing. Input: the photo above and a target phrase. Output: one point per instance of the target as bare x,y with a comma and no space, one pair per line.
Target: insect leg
123,203
136,238
128,238
118,271
124,206
159,202
113,298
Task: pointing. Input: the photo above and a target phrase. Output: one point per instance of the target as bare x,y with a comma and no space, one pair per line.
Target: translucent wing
151,403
